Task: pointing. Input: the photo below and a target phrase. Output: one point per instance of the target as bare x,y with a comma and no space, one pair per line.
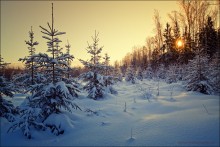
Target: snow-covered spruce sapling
29,117
68,46
26,80
171,74
96,83
53,96
29,62
7,109
140,74
148,73
47,100
52,40
108,80
197,76
130,75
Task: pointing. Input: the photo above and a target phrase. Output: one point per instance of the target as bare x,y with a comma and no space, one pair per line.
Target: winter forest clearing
164,93
180,119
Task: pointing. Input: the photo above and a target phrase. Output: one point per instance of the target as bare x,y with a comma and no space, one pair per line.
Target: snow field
188,118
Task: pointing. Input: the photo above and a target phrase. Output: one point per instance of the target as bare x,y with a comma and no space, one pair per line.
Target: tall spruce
208,38
53,40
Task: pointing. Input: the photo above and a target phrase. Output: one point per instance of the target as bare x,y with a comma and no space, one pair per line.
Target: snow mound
60,121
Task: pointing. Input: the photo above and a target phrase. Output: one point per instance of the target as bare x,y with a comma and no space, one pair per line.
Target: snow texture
186,119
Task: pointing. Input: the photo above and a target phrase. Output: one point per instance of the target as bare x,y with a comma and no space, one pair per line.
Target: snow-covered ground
186,119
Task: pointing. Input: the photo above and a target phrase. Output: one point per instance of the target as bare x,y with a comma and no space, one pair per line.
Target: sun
179,43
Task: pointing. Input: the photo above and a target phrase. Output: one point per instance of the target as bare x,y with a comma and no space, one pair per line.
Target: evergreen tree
107,78
68,46
55,95
171,76
208,38
140,74
148,73
95,84
31,43
161,72
168,38
197,74
186,53
169,43
27,79
53,40
176,30
107,68
130,75
214,74
7,109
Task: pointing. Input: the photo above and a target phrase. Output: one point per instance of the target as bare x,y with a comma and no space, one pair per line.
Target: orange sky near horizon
121,25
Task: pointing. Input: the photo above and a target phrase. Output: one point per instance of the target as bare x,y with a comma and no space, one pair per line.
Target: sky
121,25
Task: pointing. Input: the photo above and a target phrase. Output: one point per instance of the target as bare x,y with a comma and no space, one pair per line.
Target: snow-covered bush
147,93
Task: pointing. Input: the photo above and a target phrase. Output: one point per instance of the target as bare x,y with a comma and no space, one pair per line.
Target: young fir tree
214,73
171,76
186,53
168,38
30,77
54,96
169,42
7,109
148,73
130,75
107,68
117,72
176,30
197,74
140,74
107,78
68,46
95,85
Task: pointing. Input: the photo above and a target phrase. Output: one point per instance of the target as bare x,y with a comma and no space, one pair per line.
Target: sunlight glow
179,44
